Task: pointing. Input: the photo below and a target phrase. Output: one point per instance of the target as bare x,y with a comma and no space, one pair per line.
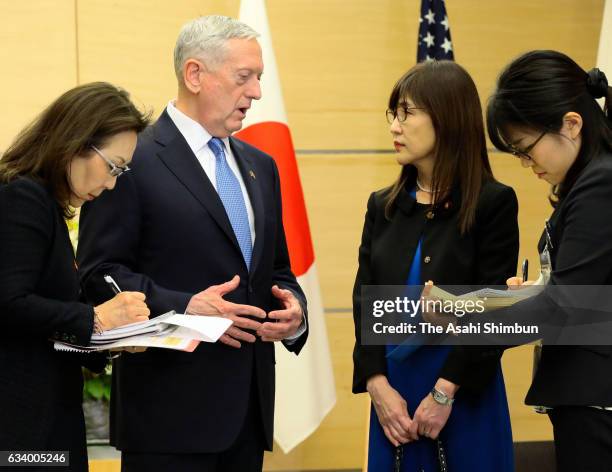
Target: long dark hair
85,116
536,90
448,95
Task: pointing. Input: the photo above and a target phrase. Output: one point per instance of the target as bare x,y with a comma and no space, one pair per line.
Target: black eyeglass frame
401,117
524,153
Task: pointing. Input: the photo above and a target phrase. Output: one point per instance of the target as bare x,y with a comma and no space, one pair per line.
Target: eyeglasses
113,170
401,113
524,153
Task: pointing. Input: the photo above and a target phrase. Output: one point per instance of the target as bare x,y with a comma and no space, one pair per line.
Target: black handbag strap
441,456
399,453
397,464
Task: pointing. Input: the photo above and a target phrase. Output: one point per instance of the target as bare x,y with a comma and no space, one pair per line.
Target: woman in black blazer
544,112
445,219
70,154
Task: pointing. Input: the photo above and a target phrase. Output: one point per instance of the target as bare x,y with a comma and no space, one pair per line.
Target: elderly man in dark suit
200,210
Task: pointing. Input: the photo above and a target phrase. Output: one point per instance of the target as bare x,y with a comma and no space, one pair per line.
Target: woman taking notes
445,219
70,154
545,113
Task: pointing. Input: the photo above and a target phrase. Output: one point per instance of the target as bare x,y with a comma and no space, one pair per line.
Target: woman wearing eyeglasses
70,154
545,112
445,219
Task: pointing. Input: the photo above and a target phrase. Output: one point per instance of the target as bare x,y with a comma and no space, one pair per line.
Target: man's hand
287,321
210,302
430,417
391,410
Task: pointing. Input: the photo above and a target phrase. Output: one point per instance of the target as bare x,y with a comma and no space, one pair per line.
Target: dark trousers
245,455
583,438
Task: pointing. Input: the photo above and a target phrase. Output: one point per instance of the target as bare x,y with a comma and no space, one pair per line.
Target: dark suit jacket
164,231
39,289
581,232
486,255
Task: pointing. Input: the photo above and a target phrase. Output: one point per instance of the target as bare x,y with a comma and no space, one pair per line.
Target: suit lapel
249,176
176,154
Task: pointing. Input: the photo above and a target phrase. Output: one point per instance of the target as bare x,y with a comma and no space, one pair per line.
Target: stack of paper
170,331
492,299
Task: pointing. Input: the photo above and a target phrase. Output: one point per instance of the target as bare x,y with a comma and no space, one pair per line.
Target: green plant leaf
95,388
107,387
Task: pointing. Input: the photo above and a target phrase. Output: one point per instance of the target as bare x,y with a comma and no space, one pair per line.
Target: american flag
434,32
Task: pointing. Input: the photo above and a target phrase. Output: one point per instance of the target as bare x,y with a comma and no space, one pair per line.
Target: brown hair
85,116
448,95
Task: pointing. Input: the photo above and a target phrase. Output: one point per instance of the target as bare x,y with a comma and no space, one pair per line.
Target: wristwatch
441,398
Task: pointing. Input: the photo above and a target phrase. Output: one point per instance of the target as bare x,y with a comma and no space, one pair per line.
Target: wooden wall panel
338,60
130,43
526,424
336,189
38,57
487,35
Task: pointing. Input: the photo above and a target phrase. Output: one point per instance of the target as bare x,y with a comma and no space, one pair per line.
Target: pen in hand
525,270
113,285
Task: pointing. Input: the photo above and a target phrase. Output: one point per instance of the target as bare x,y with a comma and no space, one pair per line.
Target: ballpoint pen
113,285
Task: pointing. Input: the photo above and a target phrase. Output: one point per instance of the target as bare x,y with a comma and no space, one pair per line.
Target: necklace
422,188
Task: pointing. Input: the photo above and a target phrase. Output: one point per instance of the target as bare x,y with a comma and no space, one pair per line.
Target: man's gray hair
204,39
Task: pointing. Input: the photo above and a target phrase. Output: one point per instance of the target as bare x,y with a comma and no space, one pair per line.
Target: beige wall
38,57
337,60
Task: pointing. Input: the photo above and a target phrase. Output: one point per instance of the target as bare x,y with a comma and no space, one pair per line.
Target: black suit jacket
164,231
486,255
581,233
39,289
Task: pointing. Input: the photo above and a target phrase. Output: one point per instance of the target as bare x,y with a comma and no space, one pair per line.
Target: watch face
439,397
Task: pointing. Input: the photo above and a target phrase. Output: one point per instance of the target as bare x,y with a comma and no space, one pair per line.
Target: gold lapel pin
252,174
